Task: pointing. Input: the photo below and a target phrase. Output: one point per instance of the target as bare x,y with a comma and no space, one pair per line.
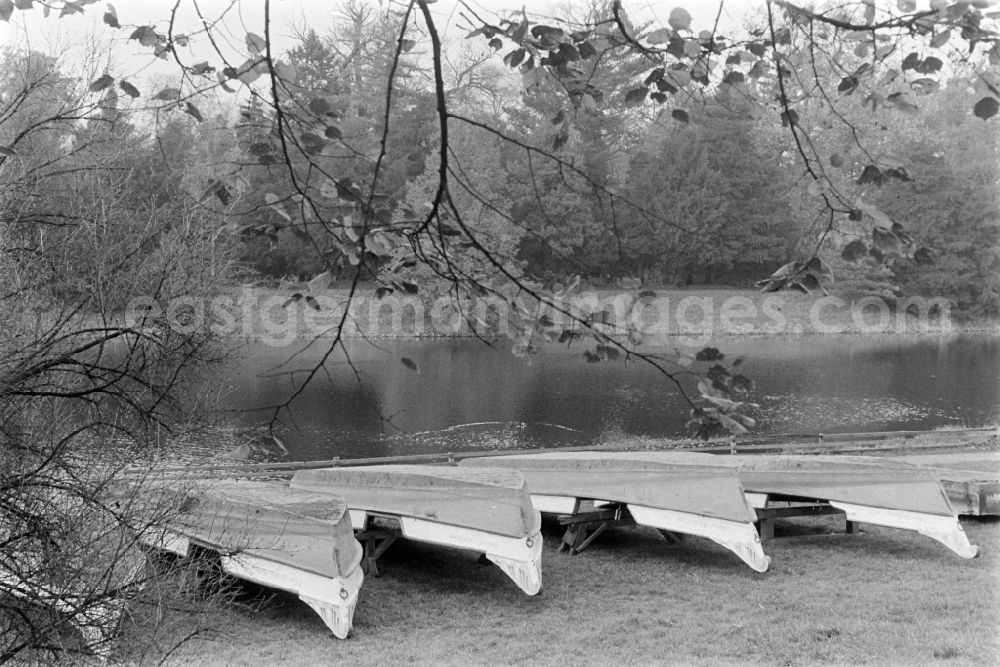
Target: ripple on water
817,414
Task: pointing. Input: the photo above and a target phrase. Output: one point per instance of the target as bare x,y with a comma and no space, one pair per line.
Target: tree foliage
84,388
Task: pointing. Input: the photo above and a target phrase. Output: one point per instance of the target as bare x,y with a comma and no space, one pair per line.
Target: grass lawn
882,597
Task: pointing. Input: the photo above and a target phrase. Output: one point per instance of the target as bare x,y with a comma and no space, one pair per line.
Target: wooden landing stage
967,461
971,478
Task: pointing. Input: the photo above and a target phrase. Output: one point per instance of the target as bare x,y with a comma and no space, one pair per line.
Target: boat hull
293,540
868,491
486,511
707,503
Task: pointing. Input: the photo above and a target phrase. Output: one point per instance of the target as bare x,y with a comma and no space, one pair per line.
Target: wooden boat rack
783,509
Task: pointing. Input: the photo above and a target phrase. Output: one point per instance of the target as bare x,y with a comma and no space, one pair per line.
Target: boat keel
519,558
526,574
740,538
332,598
945,529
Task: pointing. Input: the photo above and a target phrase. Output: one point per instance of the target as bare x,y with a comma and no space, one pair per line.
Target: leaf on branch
221,77
679,77
129,89
681,115
899,173
807,283
7,150
925,86
101,83
6,10
879,219
70,8
923,256
929,65
255,43
911,61
741,383
312,143
217,188
758,70
514,58
410,363
692,48
790,117
734,78
886,242
312,302
847,85
348,189
709,354
635,96
26,4
496,43
562,136
111,17
319,106
654,76
854,251
757,48
871,174
295,298
193,111
332,132
168,94
901,102
940,39
901,234
406,45
986,108
146,34
586,50
259,148
907,5
661,36
679,19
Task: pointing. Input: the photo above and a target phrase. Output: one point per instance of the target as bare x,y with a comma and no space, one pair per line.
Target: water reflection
466,395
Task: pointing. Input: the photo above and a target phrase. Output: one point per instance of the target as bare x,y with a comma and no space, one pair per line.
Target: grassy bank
266,313
882,597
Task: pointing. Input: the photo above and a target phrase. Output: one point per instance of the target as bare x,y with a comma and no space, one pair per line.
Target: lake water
468,396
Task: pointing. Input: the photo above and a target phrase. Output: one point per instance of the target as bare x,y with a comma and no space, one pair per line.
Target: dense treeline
662,198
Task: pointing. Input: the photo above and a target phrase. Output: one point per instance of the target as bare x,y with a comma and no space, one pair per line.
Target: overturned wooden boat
706,502
268,533
866,490
487,511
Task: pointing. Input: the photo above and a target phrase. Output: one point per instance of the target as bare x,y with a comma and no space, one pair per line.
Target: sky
79,30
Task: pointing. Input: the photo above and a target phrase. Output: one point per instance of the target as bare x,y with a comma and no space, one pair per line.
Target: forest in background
708,194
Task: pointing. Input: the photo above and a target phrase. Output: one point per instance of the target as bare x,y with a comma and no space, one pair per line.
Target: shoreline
279,316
